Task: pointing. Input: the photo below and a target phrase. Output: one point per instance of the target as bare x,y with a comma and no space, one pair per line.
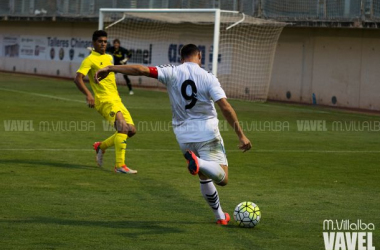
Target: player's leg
124,130
100,147
210,194
128,81
107,143
207,187
116,113
212,161
213,165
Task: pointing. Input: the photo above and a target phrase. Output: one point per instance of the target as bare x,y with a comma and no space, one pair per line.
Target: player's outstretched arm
230,115
132,70
82,87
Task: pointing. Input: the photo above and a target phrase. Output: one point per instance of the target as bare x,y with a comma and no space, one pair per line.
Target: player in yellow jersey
107,102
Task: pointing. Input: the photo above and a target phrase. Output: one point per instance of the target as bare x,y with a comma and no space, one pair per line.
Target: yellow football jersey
106,90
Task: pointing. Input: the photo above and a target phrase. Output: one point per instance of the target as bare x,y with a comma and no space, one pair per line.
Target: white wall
328,62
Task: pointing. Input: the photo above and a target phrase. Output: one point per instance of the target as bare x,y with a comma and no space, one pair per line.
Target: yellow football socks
109,142
120,146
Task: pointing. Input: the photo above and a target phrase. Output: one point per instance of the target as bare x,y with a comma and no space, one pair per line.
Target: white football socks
212,170
211,196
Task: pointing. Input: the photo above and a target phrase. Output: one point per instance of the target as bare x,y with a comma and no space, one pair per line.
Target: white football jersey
192,92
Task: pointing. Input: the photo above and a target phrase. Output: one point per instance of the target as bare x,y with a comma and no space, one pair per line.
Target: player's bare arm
230,115
132,70
82,87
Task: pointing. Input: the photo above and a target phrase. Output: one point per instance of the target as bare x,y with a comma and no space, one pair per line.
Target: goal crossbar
216,23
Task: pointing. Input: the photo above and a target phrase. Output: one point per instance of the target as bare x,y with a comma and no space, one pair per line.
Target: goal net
238,49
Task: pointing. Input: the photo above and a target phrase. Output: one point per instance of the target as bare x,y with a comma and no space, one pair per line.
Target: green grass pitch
53,196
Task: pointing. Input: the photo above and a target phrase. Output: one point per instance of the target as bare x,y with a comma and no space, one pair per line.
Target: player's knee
123,131
131,130
121,127
224,182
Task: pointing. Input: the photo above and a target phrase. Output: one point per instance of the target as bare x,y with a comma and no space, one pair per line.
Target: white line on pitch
176,150
42,95
295,108
69,100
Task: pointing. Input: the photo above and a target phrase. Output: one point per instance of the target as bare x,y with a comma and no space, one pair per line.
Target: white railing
289,10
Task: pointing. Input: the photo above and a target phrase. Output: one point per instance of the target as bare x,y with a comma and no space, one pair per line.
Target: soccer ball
247,214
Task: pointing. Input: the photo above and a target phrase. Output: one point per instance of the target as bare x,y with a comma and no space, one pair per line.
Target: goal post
238,49
216,12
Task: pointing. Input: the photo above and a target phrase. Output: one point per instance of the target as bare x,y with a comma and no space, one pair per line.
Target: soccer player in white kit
192,92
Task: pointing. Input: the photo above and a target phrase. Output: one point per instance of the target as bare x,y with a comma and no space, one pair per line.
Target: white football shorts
212,150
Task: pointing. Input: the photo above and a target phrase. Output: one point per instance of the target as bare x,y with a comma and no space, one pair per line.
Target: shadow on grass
39,163
149,227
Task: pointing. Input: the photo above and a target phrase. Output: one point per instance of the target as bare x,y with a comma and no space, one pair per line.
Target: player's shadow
39,163
149,227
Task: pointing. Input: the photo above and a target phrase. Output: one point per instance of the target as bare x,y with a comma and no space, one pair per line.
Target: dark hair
116,41
97,34
189,50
